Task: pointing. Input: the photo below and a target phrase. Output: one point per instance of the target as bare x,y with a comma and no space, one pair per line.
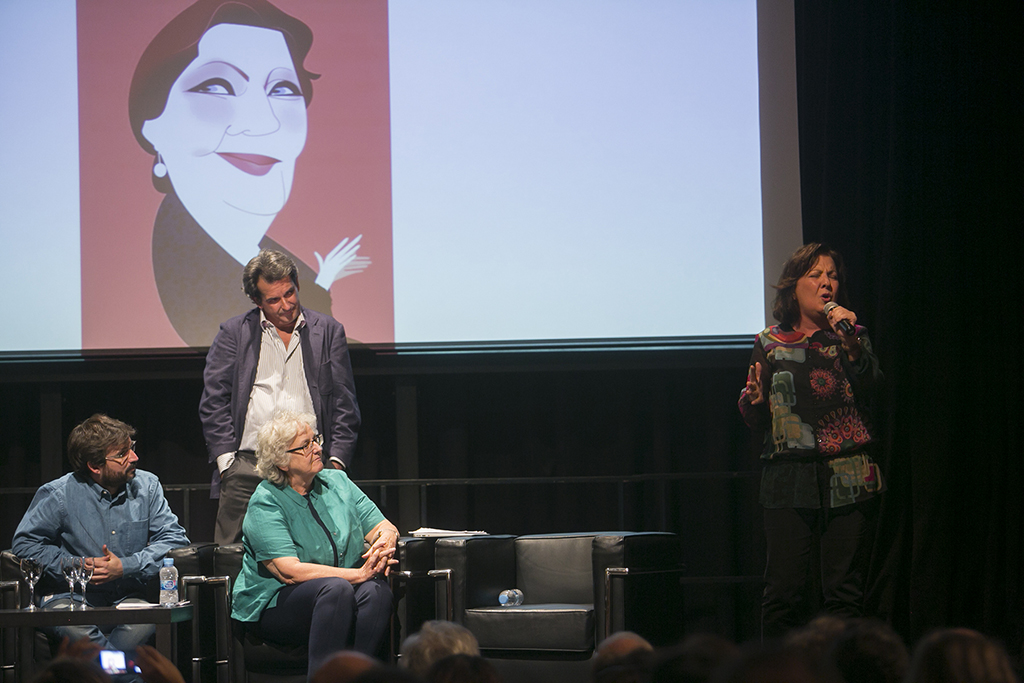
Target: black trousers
840,536
328,615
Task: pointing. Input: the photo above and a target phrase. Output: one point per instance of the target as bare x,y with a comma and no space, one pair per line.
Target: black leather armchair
254,660
422,592
196,583
10,593
16,595
577,589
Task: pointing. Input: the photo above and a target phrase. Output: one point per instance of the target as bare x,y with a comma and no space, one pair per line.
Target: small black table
26,622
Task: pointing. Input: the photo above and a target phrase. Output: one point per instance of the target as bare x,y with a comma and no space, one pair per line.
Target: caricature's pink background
342,179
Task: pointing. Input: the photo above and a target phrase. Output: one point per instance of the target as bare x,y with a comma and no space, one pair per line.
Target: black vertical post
408,454
50,432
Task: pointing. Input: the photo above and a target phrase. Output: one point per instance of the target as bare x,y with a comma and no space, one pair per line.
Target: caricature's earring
159,169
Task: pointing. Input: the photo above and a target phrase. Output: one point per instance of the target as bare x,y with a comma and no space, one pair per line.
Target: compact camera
116,662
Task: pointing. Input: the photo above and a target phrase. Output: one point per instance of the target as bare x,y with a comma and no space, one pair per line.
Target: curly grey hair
273,440
433,642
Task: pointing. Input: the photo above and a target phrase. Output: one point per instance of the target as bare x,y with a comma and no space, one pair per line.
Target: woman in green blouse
306,579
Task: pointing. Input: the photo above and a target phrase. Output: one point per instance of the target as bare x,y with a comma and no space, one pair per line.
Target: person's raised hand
753,388
155,667
83,648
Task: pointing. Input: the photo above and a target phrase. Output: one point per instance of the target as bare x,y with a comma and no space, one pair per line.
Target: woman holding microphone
807,391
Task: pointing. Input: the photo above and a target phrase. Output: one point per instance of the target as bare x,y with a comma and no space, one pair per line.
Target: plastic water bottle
168,582
510,597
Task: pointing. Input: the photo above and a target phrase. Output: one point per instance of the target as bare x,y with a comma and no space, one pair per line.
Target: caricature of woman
219,98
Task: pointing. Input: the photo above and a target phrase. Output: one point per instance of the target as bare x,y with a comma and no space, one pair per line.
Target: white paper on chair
147,605
428,532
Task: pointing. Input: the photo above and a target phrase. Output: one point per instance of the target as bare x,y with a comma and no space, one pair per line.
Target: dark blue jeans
328,615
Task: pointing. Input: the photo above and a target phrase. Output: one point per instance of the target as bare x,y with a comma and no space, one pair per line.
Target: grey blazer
231,370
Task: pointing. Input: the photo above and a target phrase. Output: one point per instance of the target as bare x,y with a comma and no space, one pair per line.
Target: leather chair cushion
555,568
552,626
259,656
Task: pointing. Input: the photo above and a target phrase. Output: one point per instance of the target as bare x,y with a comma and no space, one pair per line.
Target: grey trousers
237,484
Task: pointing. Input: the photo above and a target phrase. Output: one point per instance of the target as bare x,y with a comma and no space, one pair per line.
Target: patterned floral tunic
814,418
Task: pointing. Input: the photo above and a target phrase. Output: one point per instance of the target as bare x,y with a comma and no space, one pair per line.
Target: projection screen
442,171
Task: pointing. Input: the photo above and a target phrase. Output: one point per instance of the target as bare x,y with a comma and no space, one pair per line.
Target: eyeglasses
122,458
307,448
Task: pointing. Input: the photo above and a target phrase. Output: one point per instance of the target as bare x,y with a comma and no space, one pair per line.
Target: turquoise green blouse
279,523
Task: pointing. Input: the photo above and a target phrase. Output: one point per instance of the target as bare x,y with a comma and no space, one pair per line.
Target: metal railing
621,482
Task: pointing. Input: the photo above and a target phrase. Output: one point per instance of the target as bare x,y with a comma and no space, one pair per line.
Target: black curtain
911,151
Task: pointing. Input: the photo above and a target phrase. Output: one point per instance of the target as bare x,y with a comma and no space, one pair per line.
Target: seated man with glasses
111,515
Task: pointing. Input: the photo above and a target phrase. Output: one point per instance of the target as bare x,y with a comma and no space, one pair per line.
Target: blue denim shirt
73,515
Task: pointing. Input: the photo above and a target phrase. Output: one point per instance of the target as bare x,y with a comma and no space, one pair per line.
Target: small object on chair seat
510,597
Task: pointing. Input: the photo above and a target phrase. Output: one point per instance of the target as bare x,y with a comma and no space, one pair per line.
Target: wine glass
69,568
84,576
32,570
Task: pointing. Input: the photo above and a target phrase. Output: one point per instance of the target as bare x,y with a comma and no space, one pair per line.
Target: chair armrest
635,551
10,570
446,576
210,598
10,598
481,567
11,594
435,574
404,576
611,606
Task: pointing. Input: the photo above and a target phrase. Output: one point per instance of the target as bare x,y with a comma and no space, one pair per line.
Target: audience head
817,637
775,662
621,657
959,655
344,667
387,674
695,660
618,645
462,669
273,440
434,641
72,670
869,651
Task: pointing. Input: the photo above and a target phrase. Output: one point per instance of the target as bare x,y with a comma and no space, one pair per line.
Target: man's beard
118,479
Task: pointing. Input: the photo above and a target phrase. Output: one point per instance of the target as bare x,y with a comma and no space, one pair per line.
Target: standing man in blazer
277,356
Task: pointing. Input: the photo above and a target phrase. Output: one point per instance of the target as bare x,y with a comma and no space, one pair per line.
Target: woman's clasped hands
381,554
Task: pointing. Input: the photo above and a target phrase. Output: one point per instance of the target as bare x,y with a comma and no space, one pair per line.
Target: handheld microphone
844,325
